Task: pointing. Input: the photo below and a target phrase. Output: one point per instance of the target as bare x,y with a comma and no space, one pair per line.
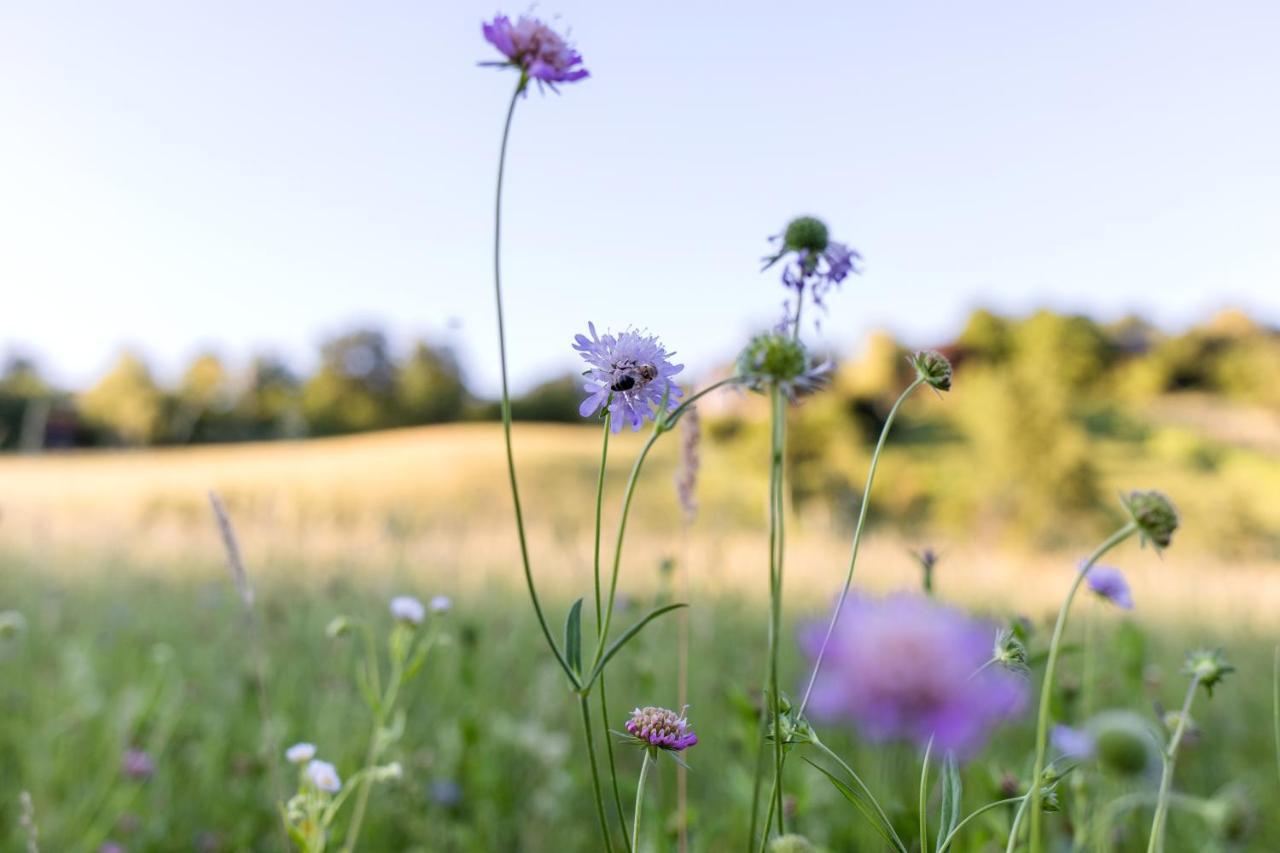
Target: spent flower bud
933,367
1155,516
1209,666
806,234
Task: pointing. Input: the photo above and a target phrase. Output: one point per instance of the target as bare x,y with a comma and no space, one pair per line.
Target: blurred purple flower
1072,742
537,50
661,728
111,847
136,764
634,368
1109,583
906,667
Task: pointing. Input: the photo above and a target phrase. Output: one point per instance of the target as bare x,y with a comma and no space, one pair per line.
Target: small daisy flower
323,776
629,374
300,753
441,604
406,608
1109,583
538,51
661,728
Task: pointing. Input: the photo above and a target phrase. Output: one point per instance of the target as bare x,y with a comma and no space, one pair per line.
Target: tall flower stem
1170,756
604,695
644,775
777,533
595,772
1046,689
506,394
857,538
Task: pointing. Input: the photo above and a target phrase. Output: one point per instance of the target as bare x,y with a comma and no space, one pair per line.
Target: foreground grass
114,659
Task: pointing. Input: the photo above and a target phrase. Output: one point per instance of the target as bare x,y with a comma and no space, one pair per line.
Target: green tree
429,386
354,388
127,402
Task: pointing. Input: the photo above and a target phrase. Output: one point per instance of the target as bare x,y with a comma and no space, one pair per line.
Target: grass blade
858,802
573,636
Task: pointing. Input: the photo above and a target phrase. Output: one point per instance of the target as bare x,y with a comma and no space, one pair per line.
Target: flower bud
1155,516
339,626
933,367
1208,666
791,844
806,234
773,357
12,624
1124,743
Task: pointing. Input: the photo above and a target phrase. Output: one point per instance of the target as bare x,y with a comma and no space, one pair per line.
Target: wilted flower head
629,374
406,608
1009,651
1109,583
781,358
933,367
1155,516
136,764
813,261
1209,666
907,667
323,776
537,50
300,753
661,728
441,604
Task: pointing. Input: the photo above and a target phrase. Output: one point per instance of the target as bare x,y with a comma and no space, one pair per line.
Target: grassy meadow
135,637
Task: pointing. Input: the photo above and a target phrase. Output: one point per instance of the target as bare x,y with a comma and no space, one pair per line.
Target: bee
638,376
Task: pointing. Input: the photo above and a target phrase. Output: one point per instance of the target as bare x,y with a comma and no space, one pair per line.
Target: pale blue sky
249,174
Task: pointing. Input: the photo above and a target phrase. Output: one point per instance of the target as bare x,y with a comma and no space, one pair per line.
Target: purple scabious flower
1072,742
661,728
1109,583
538,51
630,375
812,261
136,764
908,668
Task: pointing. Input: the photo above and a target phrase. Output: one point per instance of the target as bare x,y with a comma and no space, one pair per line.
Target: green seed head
1155,516
806,233
791,844
1125,743
1209,666
773,357
933,367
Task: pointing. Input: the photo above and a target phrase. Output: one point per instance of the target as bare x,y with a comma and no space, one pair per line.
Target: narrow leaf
950,815
573,636
858,802
627,635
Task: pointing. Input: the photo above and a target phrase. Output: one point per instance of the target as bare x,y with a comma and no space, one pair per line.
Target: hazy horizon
243,178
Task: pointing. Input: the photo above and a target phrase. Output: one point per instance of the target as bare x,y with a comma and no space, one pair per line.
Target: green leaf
573,637
859,802
950,815
627,635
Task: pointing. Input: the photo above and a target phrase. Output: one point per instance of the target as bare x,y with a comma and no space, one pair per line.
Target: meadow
135,637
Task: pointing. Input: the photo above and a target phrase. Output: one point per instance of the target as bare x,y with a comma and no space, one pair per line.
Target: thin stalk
1156,841
604,695
635,821
387,702
506,395
776,548
1046,689
951,836
924,797
1275,706
595,773
857,539
1017,820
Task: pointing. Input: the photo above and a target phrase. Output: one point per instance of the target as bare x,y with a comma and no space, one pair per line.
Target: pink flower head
661,728
537,50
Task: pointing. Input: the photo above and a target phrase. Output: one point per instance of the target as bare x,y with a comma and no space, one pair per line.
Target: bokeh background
247,248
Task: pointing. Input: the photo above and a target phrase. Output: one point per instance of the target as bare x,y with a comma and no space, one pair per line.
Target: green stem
506,395
857,539
613,766
924,797
635,821
1275,706
951,836
1156,841
385,704
1017,821
595,773
1046,689
776,549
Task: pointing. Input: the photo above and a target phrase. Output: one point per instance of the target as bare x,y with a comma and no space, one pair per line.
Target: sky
245,176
